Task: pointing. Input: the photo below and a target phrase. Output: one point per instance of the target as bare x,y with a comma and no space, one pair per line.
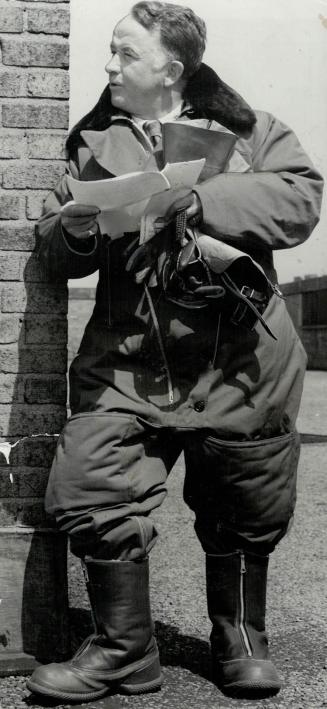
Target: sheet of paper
133,202
183,174
118,191
118,221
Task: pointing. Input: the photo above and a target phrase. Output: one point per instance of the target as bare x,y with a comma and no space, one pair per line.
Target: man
156,375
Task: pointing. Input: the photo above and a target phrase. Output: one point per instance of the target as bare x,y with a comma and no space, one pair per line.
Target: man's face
138,68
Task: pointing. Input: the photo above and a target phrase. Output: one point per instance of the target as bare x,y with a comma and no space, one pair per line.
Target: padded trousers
110,471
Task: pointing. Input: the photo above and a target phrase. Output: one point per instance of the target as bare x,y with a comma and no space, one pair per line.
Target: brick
40,52
47,21
10,328
32,271
48,145
26,419
12,206
17,266
11,19
9,266
32,452
46,330
8,483
21,298
48,84
29,513
12,388
32,514
31,482
42,174
9,358
14,358
8,512
34,206
45,390
17,237
35,115
39,83
24,482
11,83
11,145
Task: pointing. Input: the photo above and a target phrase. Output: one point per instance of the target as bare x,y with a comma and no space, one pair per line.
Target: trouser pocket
249,487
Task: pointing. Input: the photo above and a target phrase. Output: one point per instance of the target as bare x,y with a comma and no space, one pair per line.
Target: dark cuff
82,247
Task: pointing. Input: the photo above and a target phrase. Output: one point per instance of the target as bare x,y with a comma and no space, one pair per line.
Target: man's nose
113,65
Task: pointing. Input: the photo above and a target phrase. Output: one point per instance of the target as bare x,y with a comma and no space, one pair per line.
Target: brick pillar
34,93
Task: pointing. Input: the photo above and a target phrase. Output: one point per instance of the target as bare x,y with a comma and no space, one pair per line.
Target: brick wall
34,92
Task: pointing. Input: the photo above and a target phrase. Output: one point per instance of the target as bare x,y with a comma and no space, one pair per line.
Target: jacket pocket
251,485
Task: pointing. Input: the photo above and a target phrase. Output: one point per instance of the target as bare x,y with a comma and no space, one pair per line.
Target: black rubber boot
122,655
236,593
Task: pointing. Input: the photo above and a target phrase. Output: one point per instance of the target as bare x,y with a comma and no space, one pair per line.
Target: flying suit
152,379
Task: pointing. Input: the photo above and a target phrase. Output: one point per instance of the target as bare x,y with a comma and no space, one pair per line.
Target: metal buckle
247,291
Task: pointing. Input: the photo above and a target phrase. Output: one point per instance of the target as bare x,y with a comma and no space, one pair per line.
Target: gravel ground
297,603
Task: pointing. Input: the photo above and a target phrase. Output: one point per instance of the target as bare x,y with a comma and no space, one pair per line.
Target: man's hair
182,33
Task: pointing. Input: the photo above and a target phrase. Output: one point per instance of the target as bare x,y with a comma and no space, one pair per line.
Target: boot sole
66,696
115,685
142,688
247,678
253,690
153,686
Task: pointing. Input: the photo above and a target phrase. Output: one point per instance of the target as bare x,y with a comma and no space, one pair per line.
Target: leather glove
79,220
143,260
191,204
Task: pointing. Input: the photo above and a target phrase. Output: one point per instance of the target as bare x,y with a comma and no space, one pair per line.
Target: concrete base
34,619
17,663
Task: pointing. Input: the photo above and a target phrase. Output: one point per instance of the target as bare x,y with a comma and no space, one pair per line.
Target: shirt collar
170,116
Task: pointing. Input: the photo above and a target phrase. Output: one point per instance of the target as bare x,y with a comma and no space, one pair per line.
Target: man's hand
191,203
79,220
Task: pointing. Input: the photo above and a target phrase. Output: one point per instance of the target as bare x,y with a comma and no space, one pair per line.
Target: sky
274,54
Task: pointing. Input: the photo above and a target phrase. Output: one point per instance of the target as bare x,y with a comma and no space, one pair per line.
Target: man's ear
175,70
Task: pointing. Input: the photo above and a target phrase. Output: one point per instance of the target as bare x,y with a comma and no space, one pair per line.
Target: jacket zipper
275,288
161,345
244,634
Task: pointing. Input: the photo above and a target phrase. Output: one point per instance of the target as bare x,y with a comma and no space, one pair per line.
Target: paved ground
297,606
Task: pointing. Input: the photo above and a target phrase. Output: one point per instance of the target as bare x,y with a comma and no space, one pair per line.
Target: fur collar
210,97
205,91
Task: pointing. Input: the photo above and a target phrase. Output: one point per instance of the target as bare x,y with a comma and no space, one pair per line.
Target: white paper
117,192
134,201
117,221
183,174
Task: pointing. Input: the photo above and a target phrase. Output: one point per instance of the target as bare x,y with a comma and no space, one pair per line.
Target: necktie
153,130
